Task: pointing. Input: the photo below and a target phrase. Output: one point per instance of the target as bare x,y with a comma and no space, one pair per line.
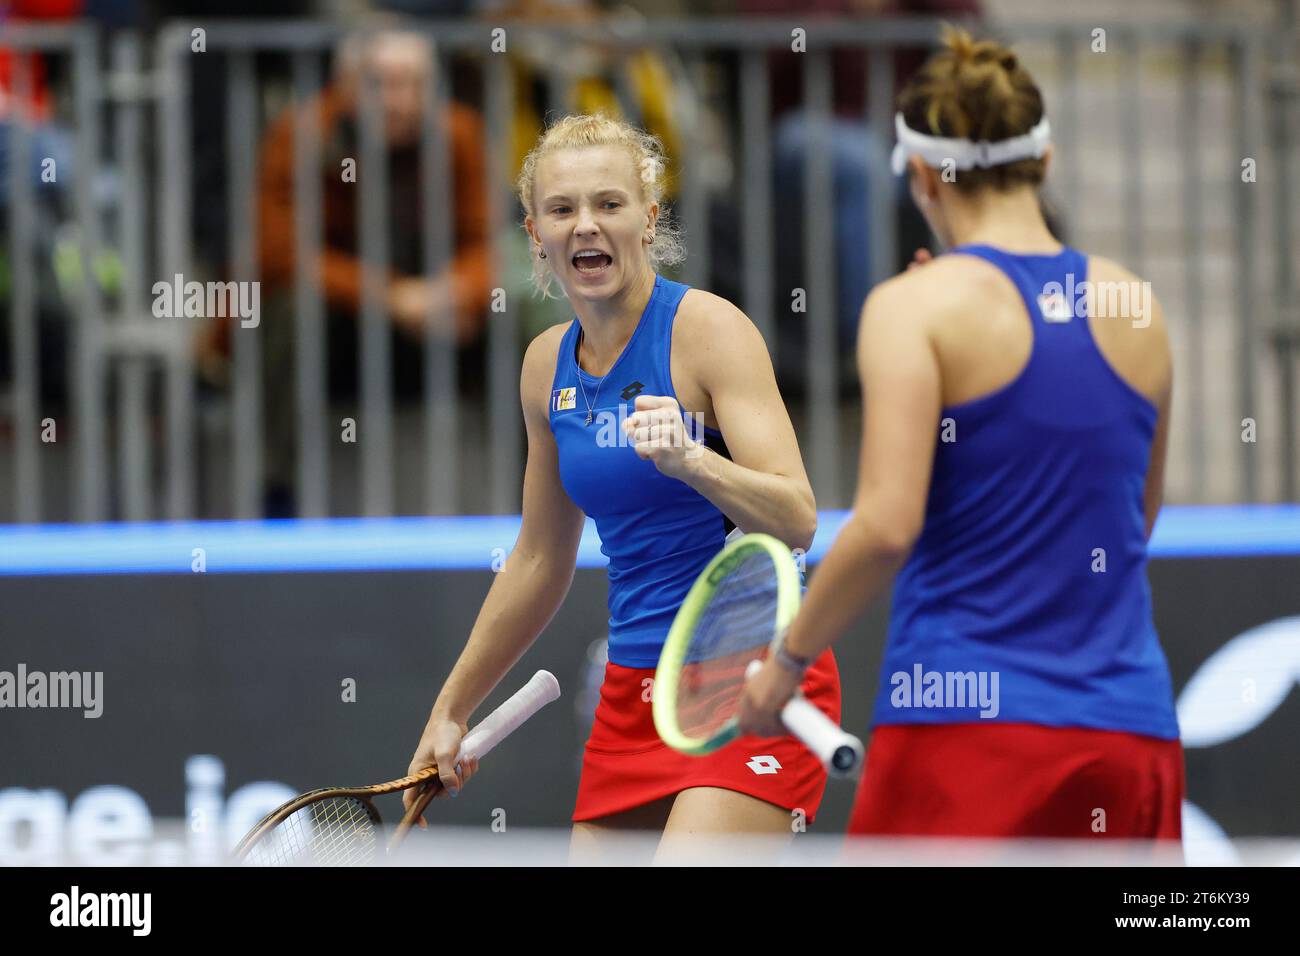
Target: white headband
964,153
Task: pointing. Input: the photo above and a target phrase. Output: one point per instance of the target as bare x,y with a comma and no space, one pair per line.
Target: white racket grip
540,690
839,751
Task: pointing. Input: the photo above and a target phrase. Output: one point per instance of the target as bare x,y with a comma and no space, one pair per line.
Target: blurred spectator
854,148
552,75
25,92
48,140
209,82
428,8
593,71
400,63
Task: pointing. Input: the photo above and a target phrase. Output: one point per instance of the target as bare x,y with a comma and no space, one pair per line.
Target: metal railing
126,345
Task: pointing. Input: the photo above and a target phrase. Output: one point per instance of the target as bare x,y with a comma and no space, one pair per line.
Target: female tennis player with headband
1012,468
603,399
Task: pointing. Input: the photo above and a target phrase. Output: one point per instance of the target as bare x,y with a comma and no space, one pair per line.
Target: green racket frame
673,656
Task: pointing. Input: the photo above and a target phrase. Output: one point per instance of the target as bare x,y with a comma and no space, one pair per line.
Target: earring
541,253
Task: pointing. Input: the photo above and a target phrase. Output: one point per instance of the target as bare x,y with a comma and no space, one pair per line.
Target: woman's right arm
1154,494
526,593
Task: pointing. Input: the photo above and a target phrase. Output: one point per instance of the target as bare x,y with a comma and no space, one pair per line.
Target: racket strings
337,831
734,628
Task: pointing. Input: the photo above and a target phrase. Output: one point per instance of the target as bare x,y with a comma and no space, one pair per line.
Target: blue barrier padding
481,543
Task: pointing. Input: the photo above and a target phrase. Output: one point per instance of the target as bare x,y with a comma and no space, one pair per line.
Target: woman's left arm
764,486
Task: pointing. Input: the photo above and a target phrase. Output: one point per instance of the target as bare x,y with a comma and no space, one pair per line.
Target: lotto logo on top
1055,307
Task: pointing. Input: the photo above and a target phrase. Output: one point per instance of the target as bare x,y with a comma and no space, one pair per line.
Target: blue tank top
1030,572
658,532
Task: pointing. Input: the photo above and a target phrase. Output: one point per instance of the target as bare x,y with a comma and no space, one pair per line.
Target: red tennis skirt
626,764
1019,780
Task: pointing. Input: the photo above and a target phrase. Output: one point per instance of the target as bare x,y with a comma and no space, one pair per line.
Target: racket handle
540,690
838,750
424,796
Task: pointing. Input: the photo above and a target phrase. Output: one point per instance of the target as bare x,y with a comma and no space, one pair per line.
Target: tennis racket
735,614
339,826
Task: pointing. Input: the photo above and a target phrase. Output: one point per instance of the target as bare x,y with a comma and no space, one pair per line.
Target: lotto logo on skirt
626,764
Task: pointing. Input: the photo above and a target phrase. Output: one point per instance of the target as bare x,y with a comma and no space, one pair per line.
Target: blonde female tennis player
603,399
1017,410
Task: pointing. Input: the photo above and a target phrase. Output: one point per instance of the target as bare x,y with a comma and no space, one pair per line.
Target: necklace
595,397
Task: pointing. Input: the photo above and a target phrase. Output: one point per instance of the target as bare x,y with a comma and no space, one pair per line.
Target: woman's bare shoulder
538,367
930,290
